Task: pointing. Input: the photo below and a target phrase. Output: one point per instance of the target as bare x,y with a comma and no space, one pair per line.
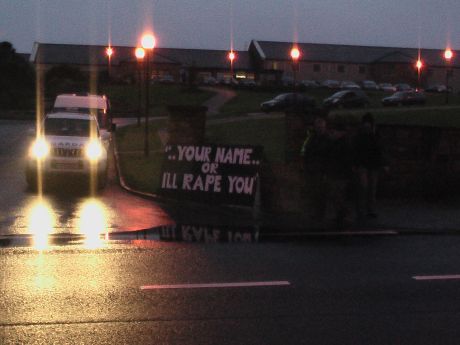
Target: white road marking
216,285
440,277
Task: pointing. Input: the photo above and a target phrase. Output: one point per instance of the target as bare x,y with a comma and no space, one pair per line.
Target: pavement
395,216
222,96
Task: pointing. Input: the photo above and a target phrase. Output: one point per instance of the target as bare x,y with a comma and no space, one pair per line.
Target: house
266,61
123,64
272,62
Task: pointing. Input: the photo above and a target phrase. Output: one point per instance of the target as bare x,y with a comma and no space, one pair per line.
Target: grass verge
140,172
125,98
143,173
269,133
431,117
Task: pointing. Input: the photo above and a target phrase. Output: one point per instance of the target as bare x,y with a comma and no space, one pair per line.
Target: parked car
403,87
227,81
387,87
405,98
209,81
330,84
347,99
167,79
287,81
310,84
436,88
287,101
247,83
370,85
349,85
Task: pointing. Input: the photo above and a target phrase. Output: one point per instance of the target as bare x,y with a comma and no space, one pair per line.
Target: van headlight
39,149
94,150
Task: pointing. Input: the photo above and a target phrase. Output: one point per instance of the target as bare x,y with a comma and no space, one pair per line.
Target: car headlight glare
94,150
40,149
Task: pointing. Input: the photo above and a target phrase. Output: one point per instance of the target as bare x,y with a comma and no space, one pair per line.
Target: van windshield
99,113
69,127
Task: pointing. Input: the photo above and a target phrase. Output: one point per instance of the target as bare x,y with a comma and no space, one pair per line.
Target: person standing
315,156
340,173
368,163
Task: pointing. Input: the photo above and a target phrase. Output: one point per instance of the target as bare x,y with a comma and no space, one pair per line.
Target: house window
275,65
341,68
316,67
362,69
388,69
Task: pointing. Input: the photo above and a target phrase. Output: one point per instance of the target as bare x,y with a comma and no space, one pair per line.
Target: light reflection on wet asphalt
66,206
68,212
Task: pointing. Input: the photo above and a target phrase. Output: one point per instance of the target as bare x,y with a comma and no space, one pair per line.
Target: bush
17,79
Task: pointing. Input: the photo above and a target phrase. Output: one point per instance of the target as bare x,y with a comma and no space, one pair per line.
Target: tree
17,78
64,79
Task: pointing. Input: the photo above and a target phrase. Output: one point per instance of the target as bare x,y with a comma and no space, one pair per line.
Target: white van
87,103
68,144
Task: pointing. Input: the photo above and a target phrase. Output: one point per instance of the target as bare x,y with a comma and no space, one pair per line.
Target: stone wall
186,124
423,162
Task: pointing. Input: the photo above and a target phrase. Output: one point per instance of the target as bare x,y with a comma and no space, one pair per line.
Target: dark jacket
315,152
340,158
367,150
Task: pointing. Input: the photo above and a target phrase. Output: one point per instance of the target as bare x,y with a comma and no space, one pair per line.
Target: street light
448,55
109,52
140,54
231,57
419,66
295,55
148,43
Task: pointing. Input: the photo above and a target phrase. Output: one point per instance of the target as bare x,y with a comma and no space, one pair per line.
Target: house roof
75,54
206,58
350,54
45,53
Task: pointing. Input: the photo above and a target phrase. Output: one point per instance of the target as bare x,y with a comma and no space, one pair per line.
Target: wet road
66,206
381,290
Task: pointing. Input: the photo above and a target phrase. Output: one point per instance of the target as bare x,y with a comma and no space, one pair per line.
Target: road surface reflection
91,220
40,222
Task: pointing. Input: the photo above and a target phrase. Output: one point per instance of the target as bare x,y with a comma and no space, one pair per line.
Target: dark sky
213,23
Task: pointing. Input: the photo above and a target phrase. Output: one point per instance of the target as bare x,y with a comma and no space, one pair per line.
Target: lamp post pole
231,57
419,66
147,105
448,54
140,54
148,43
109,53
295,55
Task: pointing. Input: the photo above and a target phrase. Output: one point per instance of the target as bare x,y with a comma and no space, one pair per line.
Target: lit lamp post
140,54
419,66
109,53
295,55
148,43
448,55
231,57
